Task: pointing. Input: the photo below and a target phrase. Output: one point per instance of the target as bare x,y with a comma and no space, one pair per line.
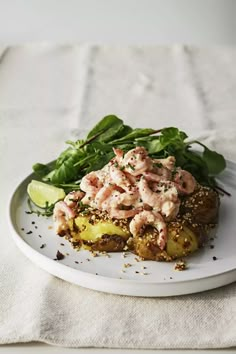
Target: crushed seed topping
181,265
127,265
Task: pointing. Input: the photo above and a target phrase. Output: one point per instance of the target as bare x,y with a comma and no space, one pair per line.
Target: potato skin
146,248
203,205
108,243
100,235
180,243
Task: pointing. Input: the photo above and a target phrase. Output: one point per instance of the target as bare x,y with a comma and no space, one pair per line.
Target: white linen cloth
49,93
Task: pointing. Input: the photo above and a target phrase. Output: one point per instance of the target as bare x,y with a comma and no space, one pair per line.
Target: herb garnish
47,211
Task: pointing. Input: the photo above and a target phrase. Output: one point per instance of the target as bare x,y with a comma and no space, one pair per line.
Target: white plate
144,278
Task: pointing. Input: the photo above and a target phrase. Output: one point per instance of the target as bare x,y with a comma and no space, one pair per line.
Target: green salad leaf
92,153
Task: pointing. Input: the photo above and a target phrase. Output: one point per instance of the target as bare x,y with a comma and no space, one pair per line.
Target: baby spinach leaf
172,136
109,126
134,134
125,130
215,162
41,170
153,146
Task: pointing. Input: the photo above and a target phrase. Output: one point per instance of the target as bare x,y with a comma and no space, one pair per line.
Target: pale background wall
199,22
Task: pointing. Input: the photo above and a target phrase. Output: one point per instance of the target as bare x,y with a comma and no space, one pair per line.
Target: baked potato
202,205
189,232
181,241
96,231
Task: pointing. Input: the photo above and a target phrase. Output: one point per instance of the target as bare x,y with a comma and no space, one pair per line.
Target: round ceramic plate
123,273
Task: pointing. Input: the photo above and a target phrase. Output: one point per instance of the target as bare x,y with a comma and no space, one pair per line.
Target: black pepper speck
59,255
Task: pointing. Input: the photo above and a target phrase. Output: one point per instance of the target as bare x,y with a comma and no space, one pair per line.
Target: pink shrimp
118,199
159,200
119,155
120,179
73,197
102,195
147,195
114,202
170,209
163,175
168,162
91,183
136,161
122,214
149,218
131,178
61,214
184,182
128,199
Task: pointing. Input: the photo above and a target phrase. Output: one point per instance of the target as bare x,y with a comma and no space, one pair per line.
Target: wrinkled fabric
49,94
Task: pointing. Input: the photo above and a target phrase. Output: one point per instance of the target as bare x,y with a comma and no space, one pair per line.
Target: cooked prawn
149,218
120,179
170,209
116,200
91,183
158,200
73,197
168,162
122,214
119,155
147,195
103,194
136,161
61,214
164,174
184,182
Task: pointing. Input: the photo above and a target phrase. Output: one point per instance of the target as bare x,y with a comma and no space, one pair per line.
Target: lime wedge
42,194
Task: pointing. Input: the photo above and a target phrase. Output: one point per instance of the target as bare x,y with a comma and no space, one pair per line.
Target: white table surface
118,22
45,106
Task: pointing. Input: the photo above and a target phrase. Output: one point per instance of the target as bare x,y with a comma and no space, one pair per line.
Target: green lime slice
43,194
